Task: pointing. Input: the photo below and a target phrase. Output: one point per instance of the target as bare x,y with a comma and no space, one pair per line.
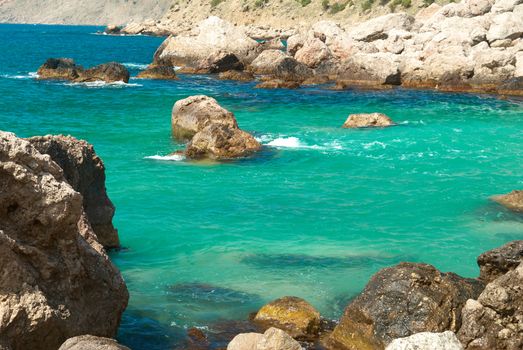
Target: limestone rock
245,341
90,342
112,29
378,27
292,314
277,64
219,141
277,84
57,281
294,43
512,200
60,69
85,172
496,262
107,72
236,75
506,25
313,52
272,339
427,341
220,61
400,301
159,73
365,120
372,69
194,113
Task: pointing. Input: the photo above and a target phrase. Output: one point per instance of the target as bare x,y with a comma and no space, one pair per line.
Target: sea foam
103,84
171,157
30,75
136,65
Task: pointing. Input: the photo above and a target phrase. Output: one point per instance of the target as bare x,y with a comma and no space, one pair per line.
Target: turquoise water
314,215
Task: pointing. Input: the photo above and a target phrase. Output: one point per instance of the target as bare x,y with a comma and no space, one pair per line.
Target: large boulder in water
427,341
57,281
90,342
292,314
59,69
194,113
512,200
85,172
367,120
107,72
400,301
219,141
277,64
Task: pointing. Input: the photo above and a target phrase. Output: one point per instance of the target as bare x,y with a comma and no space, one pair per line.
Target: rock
112,29
236,75
219,141
512,86
294,43
400,301
194,113
212,35
277,84
60,69
57,282
378,27
292,314
272,44
507,25
158,72
108,72
495,319
85,172
245,341
313,52
272,339
427,12
218,62
501,6
365,120
496,262
512,200
279,65
90,342
427,341
371,69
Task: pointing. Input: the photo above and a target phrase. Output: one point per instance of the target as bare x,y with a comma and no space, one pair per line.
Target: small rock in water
159,73
364,120
278,84
60,69
512,201
236,75
107,72
112,29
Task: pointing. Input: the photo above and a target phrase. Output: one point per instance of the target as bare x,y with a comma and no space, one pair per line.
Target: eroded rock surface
59,69
108,72
272,339
158,73
365,120
90,342
512,200
496,262
427,341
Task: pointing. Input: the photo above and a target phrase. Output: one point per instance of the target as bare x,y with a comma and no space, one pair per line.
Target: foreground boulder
107,72
218,141
90,342
85,172
57,282
369,120
294,315
512,201
495,319
400,301
158,73
496,262
272,339
194,113
59,69
427,341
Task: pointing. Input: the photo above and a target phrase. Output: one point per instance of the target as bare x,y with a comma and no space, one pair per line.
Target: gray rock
427,341
90,342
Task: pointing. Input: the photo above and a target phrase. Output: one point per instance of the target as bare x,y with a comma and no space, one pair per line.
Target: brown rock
59,69
367,120
496,262
512,200
90,342
221,61
194,113
278,84
57,282
279,65
236,75
108,72
294,315
402,300
112,29
85,172
159,73
219,141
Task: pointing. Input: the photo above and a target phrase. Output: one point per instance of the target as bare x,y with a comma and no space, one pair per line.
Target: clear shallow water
315,215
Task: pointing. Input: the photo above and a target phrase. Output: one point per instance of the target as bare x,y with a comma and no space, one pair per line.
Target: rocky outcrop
158,73
236,75
294,315
85,172
112,29
512,200
272,339
90,342
496,262
495,319
219,141
277,84
400,301
107,72
279,65
194,113
56,282
219,62
427,341
369,120
59,69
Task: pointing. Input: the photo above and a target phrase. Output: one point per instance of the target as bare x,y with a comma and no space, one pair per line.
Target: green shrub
384,2
215,3
337,7
260,3
304,2
325,5
406,3
428,2
366,5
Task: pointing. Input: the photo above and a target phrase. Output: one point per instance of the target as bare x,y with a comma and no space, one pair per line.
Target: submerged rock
159,73
218,141
194,113
57,282
367,120
272,339
85,172
90,342
427,341
236,75
496,262
107,72
292,314
400,301
59,69
512,201
277,84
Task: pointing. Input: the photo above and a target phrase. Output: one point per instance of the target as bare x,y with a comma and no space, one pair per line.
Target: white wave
374,144
177,68
286,142
171,157
296,143
136,65
30,75
103,84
